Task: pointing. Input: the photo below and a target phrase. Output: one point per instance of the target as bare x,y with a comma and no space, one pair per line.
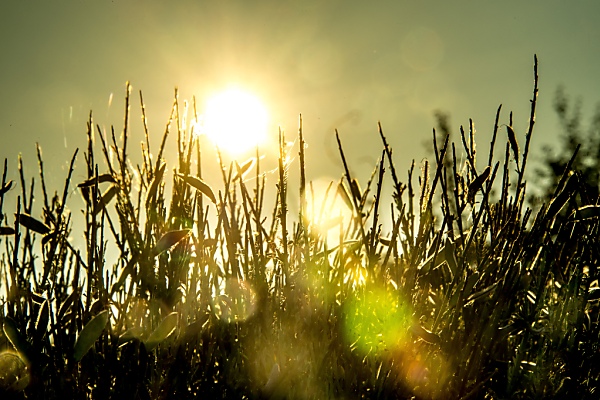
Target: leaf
37,298
65,306
89,334
512,140
241,171
593,294
210,242
151,195
6,187
101,179
49,237
97,306
130,334
561,199
355,189
200,185
477,183
162,331
6,230
515,326
586,212
450,256
385,241
274,379
477,295
124,274
169,239
470,283
33,224
343,193
14,336
68,318
425,334
105,199
41,325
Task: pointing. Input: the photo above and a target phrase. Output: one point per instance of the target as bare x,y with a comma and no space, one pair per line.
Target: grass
185,291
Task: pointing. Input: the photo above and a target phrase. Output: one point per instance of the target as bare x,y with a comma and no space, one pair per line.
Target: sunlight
235,121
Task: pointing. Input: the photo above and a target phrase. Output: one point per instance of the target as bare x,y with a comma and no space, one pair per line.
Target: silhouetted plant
183,290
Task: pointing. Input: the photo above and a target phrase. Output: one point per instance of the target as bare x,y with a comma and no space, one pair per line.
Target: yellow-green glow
235,120
377,321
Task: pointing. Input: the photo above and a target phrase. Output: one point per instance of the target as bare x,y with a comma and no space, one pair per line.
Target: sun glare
235,121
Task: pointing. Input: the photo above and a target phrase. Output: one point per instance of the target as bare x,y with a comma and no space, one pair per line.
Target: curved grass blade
586,212
36,297
384,241
14,336
33,224
200,185
425,334
169,240
105,199
478,295
101,179
343,193
129,335
41,325
66,305
241,171
162,331
561,199
593,294
49,237
124,274
89,334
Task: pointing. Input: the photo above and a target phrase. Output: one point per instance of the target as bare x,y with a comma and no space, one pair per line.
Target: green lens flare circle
377,321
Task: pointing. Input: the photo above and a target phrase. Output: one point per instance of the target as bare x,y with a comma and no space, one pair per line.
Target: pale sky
342,64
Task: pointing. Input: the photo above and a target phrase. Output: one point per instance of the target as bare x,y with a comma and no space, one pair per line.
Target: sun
235,120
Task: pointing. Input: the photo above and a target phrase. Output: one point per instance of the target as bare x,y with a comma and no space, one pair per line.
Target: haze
342,64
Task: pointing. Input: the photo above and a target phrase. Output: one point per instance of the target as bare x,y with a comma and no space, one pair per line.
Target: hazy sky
344,64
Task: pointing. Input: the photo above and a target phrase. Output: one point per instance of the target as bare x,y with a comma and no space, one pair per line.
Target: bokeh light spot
14,373
377,321
236,303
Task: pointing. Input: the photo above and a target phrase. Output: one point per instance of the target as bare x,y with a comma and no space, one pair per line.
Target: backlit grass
186,289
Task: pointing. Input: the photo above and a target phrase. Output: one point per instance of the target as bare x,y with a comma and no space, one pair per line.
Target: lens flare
14,373
377,321
236,303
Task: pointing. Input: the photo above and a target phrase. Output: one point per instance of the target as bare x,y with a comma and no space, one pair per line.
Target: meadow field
186,289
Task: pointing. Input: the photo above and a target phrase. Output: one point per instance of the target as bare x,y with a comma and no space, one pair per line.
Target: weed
182,290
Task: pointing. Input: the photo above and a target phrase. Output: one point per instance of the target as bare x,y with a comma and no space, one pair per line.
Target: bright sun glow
235,121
